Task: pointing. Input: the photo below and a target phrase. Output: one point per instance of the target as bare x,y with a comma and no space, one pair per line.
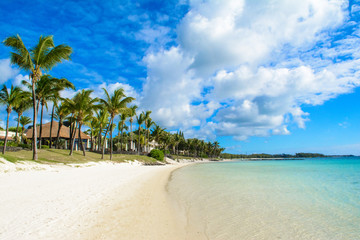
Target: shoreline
96,201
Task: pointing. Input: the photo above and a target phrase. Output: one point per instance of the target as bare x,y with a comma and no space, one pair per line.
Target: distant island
278,156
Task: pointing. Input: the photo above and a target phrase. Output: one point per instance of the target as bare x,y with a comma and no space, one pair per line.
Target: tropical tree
131,114
103,117
61,112
23,105
121,127
84,107
146,118
24,120
9,99
148,123
43,57
48,89
157,133
140,120
115,105
61,84
93,124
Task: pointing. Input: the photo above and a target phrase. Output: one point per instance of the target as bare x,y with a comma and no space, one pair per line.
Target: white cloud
246,68
6,71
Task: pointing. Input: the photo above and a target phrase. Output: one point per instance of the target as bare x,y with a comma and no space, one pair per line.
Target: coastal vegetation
101,116
264,155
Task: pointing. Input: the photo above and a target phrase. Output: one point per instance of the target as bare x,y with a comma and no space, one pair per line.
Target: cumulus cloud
246,68
6,71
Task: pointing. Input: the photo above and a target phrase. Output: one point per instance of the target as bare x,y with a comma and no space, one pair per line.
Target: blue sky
258,76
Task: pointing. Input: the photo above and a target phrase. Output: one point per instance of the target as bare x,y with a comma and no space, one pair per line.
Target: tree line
264,155
100,115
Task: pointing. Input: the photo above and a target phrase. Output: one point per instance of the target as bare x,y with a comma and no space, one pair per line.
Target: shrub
28,146
44,147
157,154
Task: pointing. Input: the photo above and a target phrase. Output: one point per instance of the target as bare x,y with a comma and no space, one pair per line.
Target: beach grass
59,156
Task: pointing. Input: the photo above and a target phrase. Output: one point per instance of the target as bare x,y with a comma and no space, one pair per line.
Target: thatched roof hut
64,132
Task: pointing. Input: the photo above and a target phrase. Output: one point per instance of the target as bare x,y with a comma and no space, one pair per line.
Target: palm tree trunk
139,142
34,143
58,134
111,142
107,130
121,140
81,143
51,124
131,136
7,131
22,135
99,139
41,117
17,128
71,131
91,137
73,140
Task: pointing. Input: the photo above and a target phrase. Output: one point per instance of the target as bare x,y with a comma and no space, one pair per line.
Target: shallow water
297,199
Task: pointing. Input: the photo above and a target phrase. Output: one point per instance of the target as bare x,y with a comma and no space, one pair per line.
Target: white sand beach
97,201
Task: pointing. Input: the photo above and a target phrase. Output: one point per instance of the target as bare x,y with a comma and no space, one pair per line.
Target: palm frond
42,48
54,56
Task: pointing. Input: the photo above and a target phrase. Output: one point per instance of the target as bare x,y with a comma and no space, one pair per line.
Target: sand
97,201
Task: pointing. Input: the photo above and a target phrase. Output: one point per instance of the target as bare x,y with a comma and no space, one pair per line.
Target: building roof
3,138
64,131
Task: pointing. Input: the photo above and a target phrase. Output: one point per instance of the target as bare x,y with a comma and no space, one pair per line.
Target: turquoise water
295,199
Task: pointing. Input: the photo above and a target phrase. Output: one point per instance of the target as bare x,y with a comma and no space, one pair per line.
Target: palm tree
10,99
146,117
48,89
24,121
94,124
132,114
157,133
115,104
148,123
140,120
61,112
122,127
103,117
84,109
23,105
62,84
43,57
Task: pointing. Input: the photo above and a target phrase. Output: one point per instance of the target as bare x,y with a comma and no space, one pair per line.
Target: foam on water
309,199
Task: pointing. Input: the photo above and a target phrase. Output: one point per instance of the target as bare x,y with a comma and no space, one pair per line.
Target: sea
316,198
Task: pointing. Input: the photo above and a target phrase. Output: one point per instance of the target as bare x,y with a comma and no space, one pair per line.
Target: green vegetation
264,155
63,157
157,154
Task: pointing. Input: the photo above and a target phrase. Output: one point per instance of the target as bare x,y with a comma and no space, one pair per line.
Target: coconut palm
84,108
131,114
146,117
61,112
115,105
62,84
43,57
121,127
148,123
23,105
24,120
140,120
157,133
10,99
103,117
94,124
48,89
